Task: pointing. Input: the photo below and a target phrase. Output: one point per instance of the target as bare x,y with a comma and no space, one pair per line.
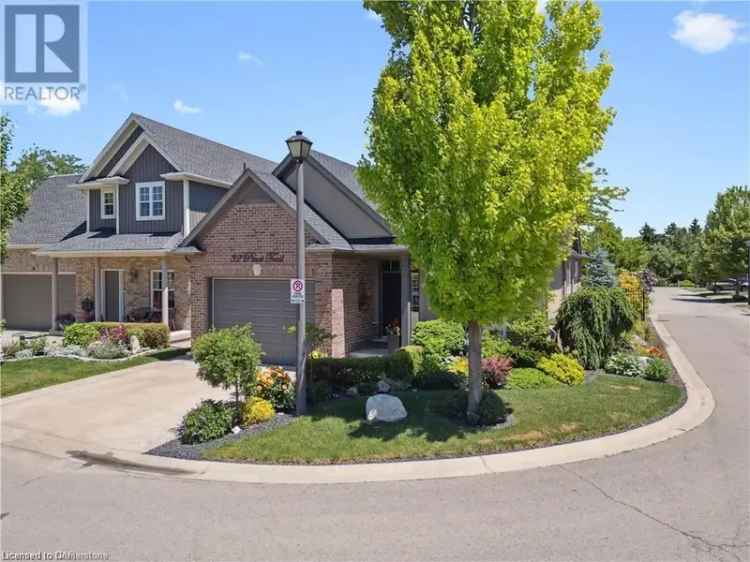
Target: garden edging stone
697,407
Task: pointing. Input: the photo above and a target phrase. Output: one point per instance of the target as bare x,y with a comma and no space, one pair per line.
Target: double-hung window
108,203
156,289
149,200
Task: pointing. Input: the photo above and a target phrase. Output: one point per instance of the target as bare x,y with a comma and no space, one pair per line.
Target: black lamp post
299,149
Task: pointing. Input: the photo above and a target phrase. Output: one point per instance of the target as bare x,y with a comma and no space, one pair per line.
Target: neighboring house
165,212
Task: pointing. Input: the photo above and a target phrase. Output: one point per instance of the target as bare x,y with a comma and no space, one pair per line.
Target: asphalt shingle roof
344,172
107,240
198,155
57,208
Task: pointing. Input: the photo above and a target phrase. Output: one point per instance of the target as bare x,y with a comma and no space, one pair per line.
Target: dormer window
108,203
149,200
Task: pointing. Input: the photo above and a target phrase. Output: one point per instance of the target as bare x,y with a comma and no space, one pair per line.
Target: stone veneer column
405,300
53,319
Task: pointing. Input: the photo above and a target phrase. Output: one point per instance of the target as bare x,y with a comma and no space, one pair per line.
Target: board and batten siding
120,152
203,197
95,212
149,167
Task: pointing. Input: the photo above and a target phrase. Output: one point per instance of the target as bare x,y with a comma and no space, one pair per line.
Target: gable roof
108,241
284,196
56,209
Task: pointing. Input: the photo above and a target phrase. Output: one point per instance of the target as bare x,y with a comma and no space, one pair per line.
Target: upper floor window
108,203
149,200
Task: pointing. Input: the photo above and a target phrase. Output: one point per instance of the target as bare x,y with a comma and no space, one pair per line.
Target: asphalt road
684,499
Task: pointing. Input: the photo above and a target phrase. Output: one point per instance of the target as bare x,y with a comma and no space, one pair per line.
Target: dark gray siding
27,300
334,206
149,167
203,197
120,152
97,222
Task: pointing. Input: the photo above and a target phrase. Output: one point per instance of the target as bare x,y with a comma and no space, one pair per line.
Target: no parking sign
296,291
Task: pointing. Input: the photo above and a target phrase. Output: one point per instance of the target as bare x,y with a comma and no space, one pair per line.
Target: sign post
296,291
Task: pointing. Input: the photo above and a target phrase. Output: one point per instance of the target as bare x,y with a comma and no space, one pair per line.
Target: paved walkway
683,499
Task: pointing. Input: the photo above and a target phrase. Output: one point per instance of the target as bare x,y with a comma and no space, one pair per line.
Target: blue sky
249,74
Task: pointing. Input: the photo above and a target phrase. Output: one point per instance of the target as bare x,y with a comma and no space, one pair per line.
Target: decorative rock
24,354
352,391
385,408
383,387
135,345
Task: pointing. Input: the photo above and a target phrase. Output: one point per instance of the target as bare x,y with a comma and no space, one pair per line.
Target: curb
698,406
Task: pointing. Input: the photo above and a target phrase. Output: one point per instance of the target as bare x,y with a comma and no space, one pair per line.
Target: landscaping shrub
82,334
406,363
107,350
563,368
532,332
495,370
209,420
12,349
493,345
526,378
439,380
367,388
345,372
624,364
275,385
320,391
257,410
440,337
657,370
37,346
228,358
491,409
524,356
592,321
150,334
459,366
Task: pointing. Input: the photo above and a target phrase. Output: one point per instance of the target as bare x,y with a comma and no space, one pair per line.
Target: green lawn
336,432
30,374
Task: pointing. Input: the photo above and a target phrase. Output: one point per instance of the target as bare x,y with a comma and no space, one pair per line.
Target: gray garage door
27,300
265,304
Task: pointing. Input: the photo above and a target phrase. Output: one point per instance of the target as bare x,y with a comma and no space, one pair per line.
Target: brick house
165,216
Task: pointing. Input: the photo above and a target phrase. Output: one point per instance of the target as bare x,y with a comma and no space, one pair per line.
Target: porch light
299,146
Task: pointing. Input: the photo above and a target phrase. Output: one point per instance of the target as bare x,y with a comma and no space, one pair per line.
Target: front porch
127,289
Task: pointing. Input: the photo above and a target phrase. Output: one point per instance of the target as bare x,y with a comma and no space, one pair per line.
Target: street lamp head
299,146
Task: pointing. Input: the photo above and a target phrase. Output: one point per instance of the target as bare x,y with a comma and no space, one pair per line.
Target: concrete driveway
682,499
134,409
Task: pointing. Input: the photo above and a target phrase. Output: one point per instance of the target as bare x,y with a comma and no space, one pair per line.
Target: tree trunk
475,371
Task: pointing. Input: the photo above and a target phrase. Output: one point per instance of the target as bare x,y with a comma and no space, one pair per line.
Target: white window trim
151,284
102,206
151,185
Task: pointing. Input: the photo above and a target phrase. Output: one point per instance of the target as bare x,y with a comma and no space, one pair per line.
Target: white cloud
181,107
61,108
244,56
373,16
706,32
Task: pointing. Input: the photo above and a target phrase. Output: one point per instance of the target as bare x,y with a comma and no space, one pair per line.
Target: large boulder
385,408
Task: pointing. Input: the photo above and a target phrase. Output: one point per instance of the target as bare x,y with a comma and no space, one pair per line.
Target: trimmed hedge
149,334
563,368
345,372
527,378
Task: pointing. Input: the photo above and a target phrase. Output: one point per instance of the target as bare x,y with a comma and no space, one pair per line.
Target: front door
112,296
391,301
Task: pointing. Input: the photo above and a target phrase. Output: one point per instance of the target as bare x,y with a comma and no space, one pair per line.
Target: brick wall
344,298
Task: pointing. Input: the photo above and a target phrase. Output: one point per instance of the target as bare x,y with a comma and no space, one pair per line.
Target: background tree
633,255
482,123
17,180
727,231
695,228
599,271
648,234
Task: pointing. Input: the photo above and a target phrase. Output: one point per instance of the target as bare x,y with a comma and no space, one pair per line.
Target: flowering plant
275,385
393,328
